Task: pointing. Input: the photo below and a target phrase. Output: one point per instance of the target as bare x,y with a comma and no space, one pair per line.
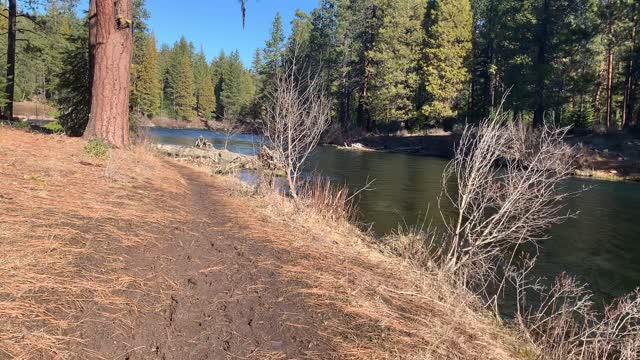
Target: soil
223,296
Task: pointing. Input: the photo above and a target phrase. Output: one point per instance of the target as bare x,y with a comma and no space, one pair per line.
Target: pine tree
248,86
74,93
184,99
272,53
200,71
448,27
218,66
148,86
396,56
207,100
231,96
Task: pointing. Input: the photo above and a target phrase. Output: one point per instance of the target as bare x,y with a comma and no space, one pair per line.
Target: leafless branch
297,115
505,183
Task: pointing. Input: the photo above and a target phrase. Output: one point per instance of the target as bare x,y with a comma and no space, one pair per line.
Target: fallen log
215,155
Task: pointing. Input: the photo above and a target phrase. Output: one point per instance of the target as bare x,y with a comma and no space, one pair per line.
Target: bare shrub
507,193
505,182
296,117
565,325
230,128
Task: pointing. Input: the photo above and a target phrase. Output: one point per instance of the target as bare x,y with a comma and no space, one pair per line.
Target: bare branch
297,115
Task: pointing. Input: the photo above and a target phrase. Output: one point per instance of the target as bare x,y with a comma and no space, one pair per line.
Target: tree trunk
11,59
541,68
609,70
627,104
92,44
630,80
364,119
609,86
112,27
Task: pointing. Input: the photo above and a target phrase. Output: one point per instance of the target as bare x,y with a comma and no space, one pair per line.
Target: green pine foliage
148,86
207,97
231,90
397,58
73,86
448,29
381,62
185,101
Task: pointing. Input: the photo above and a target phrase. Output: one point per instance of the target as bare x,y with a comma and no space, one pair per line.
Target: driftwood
215,155
203,143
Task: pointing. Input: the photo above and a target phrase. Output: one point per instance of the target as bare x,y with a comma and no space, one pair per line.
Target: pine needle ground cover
65,220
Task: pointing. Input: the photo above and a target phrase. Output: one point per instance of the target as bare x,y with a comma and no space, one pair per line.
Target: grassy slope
66,218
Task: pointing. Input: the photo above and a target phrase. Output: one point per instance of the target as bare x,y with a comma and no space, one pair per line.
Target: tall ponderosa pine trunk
542,65
609,100
112,29
630,77
11,59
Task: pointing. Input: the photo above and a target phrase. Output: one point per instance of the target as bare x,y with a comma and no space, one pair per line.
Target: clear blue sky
217,24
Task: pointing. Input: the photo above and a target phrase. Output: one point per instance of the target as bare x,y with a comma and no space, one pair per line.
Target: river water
601,245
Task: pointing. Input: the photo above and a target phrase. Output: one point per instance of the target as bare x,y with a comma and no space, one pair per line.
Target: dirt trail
226,300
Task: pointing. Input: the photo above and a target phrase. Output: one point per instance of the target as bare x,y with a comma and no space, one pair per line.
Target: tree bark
542,64
609,86
11,59
112,29
609,70
92,40
627,104
630,80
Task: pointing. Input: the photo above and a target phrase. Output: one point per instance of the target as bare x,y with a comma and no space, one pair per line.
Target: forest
384,63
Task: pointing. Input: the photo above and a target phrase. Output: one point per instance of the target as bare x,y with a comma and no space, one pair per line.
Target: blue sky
217,24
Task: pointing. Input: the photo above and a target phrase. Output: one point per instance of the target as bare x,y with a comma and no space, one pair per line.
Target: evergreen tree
185,102
298,42
231,97
218,66
148,86
248,92
256,70
272,53
74,88
140,39
272,57
200,72
396,56
448,28
207,98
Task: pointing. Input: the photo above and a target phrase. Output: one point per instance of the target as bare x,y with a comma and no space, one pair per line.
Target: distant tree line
571,62
415,62
178,81
52,64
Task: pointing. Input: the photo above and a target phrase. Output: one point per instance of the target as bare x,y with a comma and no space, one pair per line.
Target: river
601,245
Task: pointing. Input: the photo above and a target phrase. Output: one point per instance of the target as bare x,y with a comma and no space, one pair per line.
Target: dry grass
63,216
374,305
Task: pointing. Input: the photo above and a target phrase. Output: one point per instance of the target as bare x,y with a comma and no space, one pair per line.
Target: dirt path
226,301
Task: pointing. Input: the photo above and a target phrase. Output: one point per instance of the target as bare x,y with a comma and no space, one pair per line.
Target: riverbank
139,256
614,157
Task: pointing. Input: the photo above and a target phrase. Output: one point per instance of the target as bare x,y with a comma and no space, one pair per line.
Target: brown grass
63,216
374,305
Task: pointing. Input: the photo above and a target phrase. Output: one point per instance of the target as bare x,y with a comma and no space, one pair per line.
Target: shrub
97,148
53,113
55,127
